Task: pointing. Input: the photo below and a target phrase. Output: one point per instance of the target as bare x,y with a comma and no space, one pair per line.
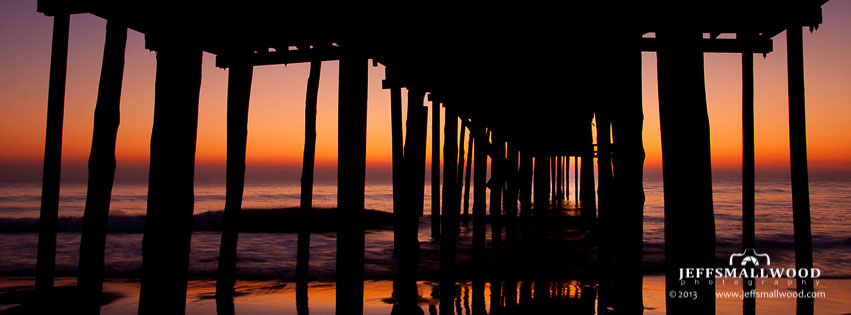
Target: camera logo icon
749,257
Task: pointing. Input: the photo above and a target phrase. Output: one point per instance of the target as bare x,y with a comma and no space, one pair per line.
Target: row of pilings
616,201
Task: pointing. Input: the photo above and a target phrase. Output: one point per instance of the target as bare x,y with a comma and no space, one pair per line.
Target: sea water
271,256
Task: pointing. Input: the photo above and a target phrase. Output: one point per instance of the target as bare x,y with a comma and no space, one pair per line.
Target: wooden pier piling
798,161
684,122
49,212
351,168
239,92
101,168
168,224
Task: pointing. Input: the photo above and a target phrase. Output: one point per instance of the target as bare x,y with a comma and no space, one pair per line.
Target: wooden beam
284,57
761,45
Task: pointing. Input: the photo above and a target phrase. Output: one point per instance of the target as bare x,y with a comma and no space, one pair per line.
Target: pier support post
461,163
511,191
525,181
468,172
576,181
49,213
168,224
748,166
450,196
542,183
435,170
101,168
415,146
239,91
604,205
628,166
497,172
687,168
587,194
798,161
351,168
398,155
479,193
308,165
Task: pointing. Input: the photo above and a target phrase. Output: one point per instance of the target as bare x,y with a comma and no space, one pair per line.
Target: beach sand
268,297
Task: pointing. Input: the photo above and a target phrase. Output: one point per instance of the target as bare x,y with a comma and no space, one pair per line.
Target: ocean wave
260,220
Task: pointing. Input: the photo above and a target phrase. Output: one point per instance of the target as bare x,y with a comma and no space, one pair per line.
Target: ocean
272,256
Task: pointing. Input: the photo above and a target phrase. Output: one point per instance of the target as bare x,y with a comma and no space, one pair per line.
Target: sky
276,117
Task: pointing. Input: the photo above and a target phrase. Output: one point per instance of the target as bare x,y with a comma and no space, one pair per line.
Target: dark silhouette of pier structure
525,94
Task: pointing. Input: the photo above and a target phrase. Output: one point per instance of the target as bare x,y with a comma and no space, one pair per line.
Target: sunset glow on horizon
276,117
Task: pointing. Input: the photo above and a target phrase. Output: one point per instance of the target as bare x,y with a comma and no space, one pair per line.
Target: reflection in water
465,298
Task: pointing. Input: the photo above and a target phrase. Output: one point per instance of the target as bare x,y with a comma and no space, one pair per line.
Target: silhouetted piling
684,122
798,161
49,213
525,179
479,194
496,184
168,224
468,172
239,91
308,160
461,163
301,298
587,195
351,167
748,189
511,192
542,183
628,167
450,206
398,154
101,168
604,203
478,303
510,294
553,183
415,146
576,180
560,178
435,170
497,181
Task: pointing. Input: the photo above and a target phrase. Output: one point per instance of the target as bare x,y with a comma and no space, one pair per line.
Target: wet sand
268,297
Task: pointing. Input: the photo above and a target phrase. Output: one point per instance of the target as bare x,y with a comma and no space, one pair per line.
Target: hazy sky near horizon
276,118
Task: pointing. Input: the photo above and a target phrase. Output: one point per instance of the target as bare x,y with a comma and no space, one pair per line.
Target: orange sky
276,118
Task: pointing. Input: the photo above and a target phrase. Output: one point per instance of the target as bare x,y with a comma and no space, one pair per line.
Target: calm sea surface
272,255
